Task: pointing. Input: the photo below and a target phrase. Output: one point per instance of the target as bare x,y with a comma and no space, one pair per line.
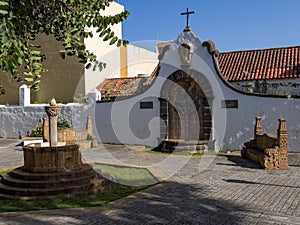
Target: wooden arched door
186,110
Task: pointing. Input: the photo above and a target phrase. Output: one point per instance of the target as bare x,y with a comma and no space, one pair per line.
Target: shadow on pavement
252,182
176,204
240,162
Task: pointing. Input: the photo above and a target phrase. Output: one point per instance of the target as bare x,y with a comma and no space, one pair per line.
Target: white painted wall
231,127
123,122
105,53
141,61
18,121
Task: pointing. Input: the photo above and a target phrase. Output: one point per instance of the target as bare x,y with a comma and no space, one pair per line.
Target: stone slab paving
206,190
11,153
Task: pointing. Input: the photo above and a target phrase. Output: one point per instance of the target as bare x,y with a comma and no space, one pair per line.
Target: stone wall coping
75,104
32,138
43,105
37,105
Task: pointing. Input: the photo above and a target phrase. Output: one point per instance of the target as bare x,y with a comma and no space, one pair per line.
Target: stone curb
9,168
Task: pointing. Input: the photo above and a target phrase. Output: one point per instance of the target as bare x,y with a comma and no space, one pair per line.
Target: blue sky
231,24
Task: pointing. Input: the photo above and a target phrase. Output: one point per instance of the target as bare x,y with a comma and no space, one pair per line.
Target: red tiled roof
275,63
122,87
119,87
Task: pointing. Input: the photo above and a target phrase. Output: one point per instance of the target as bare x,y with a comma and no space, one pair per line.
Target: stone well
51,159
52,170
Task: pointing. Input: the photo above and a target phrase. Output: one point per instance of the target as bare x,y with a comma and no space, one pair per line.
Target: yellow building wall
62,80
65,77
107,54
123,62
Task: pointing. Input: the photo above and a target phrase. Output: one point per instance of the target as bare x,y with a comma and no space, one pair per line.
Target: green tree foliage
66,20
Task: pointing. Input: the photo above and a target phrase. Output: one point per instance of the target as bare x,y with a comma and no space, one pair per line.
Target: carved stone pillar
282,137
282,134
258,130
52,111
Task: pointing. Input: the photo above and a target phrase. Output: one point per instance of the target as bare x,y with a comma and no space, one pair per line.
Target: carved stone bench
268,150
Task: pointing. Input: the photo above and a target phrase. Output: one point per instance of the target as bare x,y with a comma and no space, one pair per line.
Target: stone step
70,181
24,175
96,189
202,147
92,186
189,146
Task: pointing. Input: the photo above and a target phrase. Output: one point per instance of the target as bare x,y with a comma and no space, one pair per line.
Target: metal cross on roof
187,13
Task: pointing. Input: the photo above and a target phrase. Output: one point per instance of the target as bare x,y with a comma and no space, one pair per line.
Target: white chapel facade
187,99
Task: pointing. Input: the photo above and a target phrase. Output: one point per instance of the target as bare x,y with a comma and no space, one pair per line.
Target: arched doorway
185,109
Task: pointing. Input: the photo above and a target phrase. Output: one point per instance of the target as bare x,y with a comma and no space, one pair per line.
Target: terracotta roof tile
274,63
122,87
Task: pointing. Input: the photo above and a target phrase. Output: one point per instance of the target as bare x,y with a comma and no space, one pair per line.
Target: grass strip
131,176
94,200
128,175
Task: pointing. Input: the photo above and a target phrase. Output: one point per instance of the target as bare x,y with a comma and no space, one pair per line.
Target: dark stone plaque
146,105
233,104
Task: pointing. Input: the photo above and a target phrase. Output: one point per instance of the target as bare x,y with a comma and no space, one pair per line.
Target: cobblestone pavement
10,153
207,190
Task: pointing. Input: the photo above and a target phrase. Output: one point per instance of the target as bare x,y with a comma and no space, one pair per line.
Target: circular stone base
20,184
50,172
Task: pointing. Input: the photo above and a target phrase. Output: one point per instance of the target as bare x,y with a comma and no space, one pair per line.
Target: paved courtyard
223,189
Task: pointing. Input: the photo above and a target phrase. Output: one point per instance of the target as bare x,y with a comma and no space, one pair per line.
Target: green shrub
37,132
37,102
63,124
79,99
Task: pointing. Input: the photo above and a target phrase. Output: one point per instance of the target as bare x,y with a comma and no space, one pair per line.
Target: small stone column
93,96
52,111
24,95
258,130
89,125
282,135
